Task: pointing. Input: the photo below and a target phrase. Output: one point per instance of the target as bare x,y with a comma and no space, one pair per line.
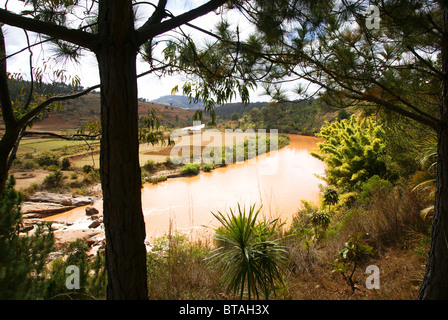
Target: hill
78,112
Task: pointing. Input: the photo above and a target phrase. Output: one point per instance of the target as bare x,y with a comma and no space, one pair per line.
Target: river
277,181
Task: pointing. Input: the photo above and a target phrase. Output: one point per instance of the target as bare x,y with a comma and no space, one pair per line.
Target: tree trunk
435,282
119,159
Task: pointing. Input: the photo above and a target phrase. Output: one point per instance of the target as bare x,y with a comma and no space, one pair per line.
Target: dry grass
177,269
400,241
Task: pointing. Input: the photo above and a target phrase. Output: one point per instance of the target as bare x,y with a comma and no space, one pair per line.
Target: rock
42,209
95,224
82,201
62,199
90,211
43,204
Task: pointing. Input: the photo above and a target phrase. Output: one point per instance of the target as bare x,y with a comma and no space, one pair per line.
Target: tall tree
392,57
115,40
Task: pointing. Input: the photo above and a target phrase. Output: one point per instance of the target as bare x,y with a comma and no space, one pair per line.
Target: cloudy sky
150,87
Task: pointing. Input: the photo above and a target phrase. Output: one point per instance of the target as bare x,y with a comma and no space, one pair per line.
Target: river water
276,181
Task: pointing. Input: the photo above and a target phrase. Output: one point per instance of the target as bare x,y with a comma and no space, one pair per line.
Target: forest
370,83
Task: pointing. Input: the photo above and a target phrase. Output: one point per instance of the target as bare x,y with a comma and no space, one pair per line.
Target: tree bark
435,281
119,158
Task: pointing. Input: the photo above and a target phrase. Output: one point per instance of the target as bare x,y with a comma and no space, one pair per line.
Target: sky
149,87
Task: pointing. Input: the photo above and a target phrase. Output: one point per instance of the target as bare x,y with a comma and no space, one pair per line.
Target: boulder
95,224
90,211
82,201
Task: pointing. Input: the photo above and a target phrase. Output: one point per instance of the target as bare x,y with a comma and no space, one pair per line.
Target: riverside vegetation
370,213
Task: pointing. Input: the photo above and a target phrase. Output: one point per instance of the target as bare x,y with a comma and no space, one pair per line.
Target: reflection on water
277,181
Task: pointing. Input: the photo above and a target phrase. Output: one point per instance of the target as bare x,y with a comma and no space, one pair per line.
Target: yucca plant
249,253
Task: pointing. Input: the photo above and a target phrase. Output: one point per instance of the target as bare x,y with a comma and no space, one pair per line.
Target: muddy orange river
276,181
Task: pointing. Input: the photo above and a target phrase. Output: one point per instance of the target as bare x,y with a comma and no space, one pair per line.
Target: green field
37,145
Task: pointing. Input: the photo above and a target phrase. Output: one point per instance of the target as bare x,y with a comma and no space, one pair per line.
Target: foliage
92,274
349,257
65,164
190,168
150,166
53,180
373,186
353,150
250,255
303,117
23,258
207,167
47,158
330,196
320,220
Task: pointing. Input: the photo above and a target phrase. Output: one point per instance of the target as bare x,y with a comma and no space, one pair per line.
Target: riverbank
70,212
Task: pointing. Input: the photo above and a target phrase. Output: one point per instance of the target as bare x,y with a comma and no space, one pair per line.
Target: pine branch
150,30
81,38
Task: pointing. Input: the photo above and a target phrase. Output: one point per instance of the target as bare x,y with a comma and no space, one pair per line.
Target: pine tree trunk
435,282
119,159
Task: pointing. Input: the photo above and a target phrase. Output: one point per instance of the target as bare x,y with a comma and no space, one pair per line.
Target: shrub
47,158
87,168
169,163
349,257
65,165
150,166
190,168
250,255
53,180
177,269
207,167
28,165
374,186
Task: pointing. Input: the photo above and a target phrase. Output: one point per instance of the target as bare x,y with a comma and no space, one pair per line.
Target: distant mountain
178,101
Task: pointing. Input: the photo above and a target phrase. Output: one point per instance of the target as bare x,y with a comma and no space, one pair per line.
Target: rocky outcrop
43,204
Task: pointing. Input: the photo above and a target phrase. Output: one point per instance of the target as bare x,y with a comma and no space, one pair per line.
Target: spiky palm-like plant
249,253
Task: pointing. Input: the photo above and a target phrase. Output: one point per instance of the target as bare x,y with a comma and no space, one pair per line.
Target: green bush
53,180
65,165
207,167
150,166
190,168
87,168
373,186
92,274
23,258
169,163
47,158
